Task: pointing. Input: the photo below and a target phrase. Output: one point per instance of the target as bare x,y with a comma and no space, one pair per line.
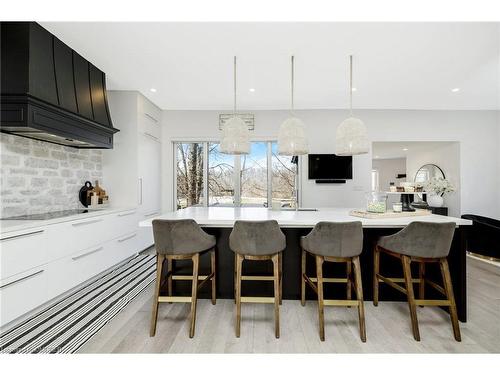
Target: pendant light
235,138
352,138
291,138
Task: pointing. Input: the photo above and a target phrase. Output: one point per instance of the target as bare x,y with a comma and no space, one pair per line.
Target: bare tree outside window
283,183
220,177
253,176
223,173
189,174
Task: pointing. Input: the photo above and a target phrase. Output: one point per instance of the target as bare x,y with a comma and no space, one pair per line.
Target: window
189,174
253,180
283,182
221,179
206,177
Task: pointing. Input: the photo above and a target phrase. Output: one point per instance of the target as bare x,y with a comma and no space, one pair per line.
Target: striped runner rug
71,321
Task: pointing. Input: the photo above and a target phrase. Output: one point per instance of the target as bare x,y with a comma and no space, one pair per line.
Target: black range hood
49,92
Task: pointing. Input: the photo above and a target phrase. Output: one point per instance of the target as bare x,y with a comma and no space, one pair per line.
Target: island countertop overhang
224,217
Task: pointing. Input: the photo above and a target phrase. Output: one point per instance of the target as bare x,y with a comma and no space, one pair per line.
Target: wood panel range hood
49,92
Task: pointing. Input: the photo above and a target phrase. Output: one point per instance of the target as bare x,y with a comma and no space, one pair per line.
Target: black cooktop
47,215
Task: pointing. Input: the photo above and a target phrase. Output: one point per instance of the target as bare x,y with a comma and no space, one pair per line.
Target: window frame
237,166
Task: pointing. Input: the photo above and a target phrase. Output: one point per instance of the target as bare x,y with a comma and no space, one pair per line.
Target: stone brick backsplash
42,177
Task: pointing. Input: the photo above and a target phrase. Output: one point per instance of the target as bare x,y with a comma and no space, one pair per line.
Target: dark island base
291,270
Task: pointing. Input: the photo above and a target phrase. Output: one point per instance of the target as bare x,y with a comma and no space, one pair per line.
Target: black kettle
82,195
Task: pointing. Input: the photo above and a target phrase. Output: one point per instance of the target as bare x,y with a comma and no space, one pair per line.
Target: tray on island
373,215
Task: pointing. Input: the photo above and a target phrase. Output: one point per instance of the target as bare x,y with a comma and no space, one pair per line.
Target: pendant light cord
350,83
234,79
292,107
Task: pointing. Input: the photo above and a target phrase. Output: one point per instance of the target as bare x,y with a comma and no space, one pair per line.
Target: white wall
445,155
388,169
477,132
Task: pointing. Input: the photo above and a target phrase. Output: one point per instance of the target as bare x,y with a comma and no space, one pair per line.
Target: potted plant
437,187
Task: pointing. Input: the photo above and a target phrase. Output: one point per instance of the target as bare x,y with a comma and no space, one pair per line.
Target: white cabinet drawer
123,247
21,251
22,293
72,270
72,236
122,223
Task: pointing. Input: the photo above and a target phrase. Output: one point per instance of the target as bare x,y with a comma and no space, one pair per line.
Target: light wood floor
388,326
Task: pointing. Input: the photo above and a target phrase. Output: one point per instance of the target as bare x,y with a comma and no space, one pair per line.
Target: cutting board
372,215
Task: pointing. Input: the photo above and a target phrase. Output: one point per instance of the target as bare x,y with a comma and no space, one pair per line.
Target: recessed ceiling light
376,156
405,149
354,89
251,90
152,89
456,89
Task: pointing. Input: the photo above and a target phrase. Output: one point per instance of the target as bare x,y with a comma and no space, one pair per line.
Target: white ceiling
396,150
396,65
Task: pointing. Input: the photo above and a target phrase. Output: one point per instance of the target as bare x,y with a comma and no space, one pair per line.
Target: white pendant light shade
351,138
291,138
235,137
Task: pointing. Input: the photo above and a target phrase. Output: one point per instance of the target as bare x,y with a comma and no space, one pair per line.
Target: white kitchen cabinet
66,273
149,173
42,263
21,251
132,170
72,236
22,293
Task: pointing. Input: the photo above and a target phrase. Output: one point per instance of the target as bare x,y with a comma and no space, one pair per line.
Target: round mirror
426,172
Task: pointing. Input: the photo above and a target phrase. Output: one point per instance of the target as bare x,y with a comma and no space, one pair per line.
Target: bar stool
257,241
340,243
181,240
420,242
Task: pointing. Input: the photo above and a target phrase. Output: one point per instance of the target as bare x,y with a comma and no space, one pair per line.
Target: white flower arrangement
439,186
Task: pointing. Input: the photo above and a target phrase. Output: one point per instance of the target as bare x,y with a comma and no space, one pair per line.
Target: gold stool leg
194,293
411,298
319,276
349,277
359,296
445,272
214,272
280,259
276,268
159,267
239,261
302,279
235,273
376,271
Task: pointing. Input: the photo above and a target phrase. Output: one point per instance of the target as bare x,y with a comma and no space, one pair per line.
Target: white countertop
225,217
7,226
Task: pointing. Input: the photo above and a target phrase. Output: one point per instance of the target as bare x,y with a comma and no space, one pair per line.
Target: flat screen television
330,167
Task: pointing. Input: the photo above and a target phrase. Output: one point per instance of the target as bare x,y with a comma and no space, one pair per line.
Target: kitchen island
219,221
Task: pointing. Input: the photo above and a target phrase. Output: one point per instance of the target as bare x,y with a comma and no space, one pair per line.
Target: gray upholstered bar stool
340,243
257,240
181,240
420,242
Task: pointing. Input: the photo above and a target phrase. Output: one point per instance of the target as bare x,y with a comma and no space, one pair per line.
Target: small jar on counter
397,207
376,202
